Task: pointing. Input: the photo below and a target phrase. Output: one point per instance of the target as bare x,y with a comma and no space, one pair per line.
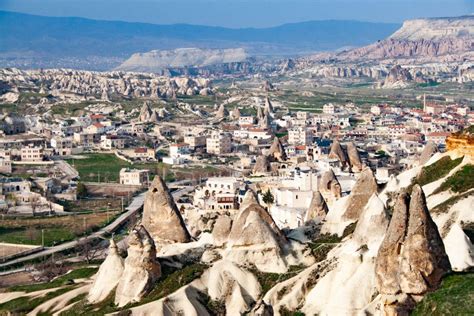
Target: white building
300,136
134,177
219,193
179,150
112,141
62,145
218,143
5,165
32,153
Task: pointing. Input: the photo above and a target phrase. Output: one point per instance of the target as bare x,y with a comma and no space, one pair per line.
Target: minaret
424,102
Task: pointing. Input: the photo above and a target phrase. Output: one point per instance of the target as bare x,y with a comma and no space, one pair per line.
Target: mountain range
27,36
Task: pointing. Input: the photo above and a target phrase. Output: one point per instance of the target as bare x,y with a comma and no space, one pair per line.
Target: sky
242,13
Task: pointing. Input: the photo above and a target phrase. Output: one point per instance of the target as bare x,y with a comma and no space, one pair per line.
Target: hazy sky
242,13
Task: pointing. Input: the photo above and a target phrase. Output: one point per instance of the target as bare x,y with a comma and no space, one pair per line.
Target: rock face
336,152
317,209
262,165
108,276
329,186
422,38
141,268
429,150
412,259
145,113
423,259
157,60
161,217
221,112
354,157
276,150
397,77
365,186
221,230
256,239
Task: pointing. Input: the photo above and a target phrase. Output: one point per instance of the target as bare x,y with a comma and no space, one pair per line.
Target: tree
81,190
87,249
268,197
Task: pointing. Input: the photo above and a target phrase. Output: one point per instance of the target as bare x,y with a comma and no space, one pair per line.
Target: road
132,209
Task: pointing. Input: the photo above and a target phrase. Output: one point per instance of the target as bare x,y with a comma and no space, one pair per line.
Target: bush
459,182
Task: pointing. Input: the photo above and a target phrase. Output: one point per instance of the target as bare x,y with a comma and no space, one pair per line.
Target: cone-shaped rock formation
161,217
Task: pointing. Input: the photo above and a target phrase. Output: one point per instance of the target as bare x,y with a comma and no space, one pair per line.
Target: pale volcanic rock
329,186
276,150
337,152
388,258
412,259
423,258
428,151
221,230
317,209
365,186
221,112
145,112
141,269
262,165
108,276
372,224
249,198
397,77
354,157
256,239
161,216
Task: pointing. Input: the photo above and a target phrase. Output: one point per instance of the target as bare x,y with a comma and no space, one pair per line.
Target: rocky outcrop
221,112
354,157
108,276
276,150
221,230
141,269
429,150
145,113
161,217
262,165
329,186
462,142
317,209
157,60
256,239
336,152
423,258
412,259
365,186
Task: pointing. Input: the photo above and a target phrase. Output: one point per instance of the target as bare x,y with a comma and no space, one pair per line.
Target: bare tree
87,249
34,204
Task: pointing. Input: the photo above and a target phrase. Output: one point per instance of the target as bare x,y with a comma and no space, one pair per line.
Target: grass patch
100,167
269,280
56,230
23,305
80,273
446,205
459,182
436,170
454,297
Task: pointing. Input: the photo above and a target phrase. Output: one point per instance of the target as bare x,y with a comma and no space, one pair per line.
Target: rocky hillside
379,251
157,60
446,39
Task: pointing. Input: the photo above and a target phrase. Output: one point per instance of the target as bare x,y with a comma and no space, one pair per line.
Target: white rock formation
108,276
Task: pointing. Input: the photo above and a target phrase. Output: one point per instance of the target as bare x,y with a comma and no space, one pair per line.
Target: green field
454,297
54,230
106,167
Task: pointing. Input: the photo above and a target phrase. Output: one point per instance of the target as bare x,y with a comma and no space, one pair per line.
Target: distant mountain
37,39
434,39
158,60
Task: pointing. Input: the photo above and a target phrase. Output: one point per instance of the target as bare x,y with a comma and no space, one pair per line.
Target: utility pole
84,223
42,237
